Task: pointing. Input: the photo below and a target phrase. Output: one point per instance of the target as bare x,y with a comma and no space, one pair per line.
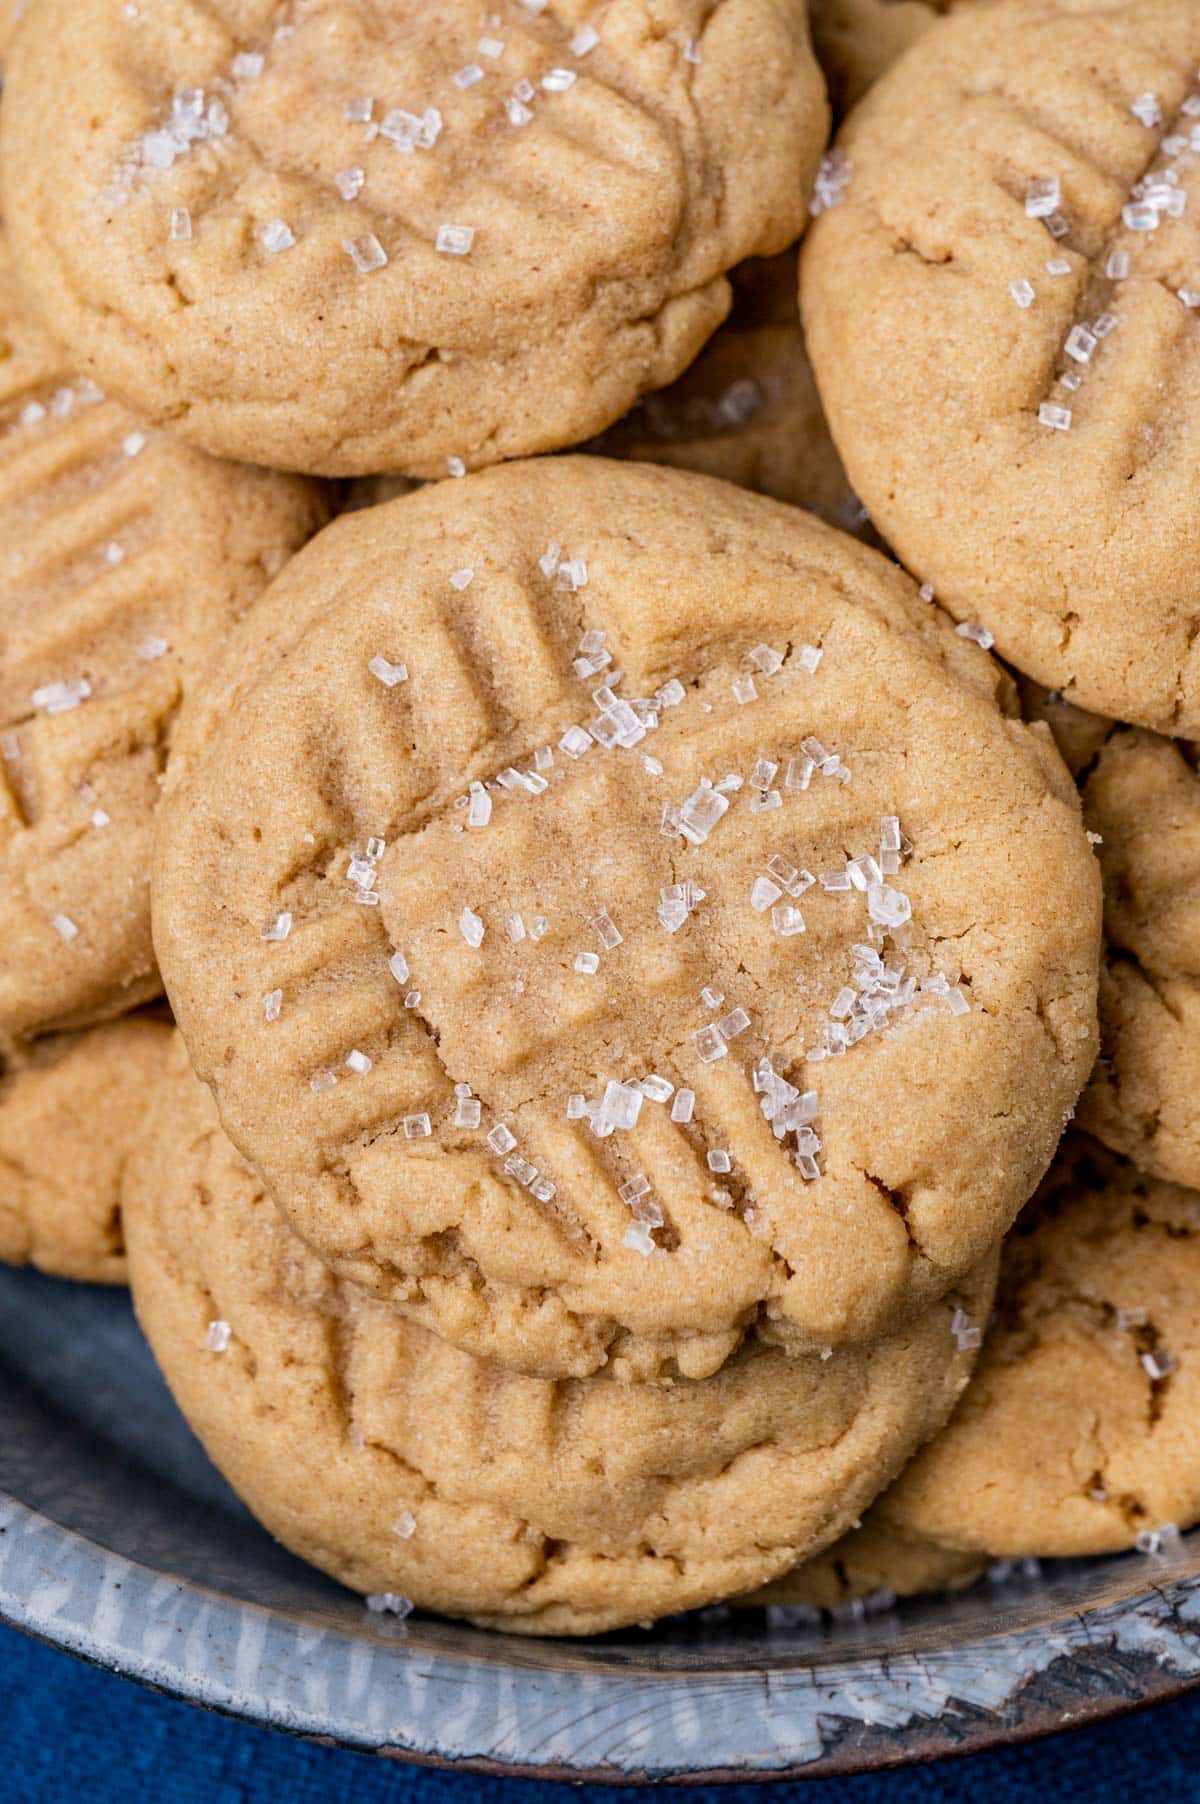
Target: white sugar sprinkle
278,927
60,698
216,1337
1023,292
358,1061
389,1603
365,252
587,963
389,674
181,225
276,235
65,927
471,927
468,75
980,635
349,183
455,240
417,1127
710,1043
1043,197
557,81
501,1139
272,1003
1057,418
584,41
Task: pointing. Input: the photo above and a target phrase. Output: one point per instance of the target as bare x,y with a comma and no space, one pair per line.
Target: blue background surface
70,1733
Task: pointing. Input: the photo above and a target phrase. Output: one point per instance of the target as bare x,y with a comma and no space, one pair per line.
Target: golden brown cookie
874,1562
71,1109
1078,1431
405,1467
599,1018
345,239
1000,310
857,40
748,409
1142,800
1078,735
124,559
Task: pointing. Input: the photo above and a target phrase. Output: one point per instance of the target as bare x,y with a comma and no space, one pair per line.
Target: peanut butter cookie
125,557
614,913
71,1108
347,236
748,409
1076,1434
1001,309
440,1479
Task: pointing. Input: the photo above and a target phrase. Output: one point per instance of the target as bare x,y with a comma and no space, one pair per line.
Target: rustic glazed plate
119,1542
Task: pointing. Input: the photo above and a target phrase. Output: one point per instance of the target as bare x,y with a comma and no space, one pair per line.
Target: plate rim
1151,1641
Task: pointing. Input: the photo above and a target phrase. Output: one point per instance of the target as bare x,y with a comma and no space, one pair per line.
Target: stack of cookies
631,954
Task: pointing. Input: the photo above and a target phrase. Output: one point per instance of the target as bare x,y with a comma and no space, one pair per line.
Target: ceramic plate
119,1542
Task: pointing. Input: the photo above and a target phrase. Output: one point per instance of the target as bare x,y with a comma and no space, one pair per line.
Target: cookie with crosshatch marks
615,914
1001,310
414,1472
71,1109
1076,1434
359,236
124,558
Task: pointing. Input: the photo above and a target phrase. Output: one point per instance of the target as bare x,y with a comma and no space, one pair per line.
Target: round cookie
545,1508
857,40
998,311
71,1110
874,1562
124,559
541,239
500,979
748,409
1078,1430
1142,800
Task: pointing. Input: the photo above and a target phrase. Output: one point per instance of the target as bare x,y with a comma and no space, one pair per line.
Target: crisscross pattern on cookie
120,566
1022,189
489,238
679,1037
448,1482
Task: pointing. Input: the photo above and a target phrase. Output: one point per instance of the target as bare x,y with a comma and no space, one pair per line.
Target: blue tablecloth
71,1734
